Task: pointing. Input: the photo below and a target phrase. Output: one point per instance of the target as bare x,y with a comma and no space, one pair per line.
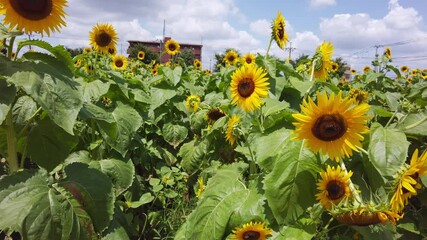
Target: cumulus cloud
322,3
305,42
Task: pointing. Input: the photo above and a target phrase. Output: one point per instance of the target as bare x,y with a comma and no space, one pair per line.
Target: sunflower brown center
215,114
281,31
246,87
335,189
103,39
251,235
231,58
111,50
119,63
33,10
172,47
329,127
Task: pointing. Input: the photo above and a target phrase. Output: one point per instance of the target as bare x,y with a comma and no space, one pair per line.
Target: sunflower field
102,146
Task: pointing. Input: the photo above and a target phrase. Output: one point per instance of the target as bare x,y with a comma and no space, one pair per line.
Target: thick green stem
353,190
312,69
12,156
268,48
10,48
416,124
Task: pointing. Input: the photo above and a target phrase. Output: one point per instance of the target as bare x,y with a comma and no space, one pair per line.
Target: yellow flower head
231,57
119,62
232,122
141,55
197,64
404,69
248,85
322,60
41,16
172,47
333,126
249,58
103,37
358,95
202,187
366,69
333,186
387,52
408,182
192,102
252,231
353,71
278,30
334,66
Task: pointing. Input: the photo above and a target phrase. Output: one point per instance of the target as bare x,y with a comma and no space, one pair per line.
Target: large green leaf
49,145
121,173
93,190
173,76
290,186
192,154
160,95
7,97
414,124
92,91
388,149
287,233
24,109
38,211
103,118
225,196
128,122
174,134
51,88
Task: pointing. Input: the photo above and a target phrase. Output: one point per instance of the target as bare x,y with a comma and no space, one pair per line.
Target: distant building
158,47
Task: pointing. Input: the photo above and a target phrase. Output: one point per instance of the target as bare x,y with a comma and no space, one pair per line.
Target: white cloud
261,27
322,3
305,43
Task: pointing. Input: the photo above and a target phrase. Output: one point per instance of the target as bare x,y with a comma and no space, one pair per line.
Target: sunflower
154,71
141,55
278,30
366,217
387,52
424,73
366,69
197,64
207,72
252,231
103,37
249,58
404,69
322,60
202,187
358,95
41,16
334,66
333,126
87,50
408,181
231,57
333,187
172,47
192,102
232,122
248,85
112,51
214,114
409,80
414,72
119,62
2,11
89,69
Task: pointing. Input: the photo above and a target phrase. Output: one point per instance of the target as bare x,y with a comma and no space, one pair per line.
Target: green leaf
225,195
38,211
301,86
388,149
144,199
173,76
192,154
393,100
79,156
174,134
7,97
160,95
49,145
128,122
93,90
104,119
53,90
93,190
290,187
119,227
121,173
23,110
414,124
288,232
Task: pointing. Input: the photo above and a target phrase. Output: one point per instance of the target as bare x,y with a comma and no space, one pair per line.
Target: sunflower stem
12,156
391,119
312,70
416,124
353,190
362,150
10,47
268,48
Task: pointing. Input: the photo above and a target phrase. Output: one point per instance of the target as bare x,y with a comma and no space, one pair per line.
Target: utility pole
377,67
290,49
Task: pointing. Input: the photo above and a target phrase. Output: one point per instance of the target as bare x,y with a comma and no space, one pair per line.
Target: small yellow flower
252,231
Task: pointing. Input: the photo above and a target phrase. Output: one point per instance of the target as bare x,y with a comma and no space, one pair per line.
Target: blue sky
353,26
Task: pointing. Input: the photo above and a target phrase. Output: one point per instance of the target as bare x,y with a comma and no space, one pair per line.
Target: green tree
150,55
187,56
341,65
75,51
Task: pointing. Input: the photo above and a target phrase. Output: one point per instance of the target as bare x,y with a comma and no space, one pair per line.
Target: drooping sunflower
214,114
334,66
407,182
322,60
404,69
278,30
249,58
41,16
333,126
248,85
197,64
366,216
252,231
366,69
231,57
172,47
103,37
141,55
387,52
119,62
192,102
333,186
358,95
230,135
